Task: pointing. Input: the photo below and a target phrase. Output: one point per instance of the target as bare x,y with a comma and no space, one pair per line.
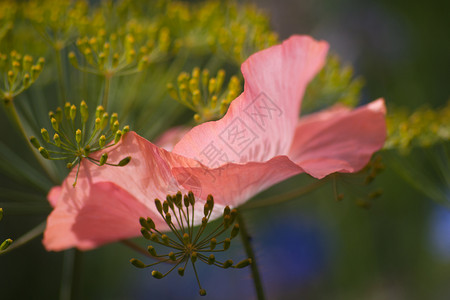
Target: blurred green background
312,247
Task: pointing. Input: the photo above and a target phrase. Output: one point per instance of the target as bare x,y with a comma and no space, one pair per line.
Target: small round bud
165,239
102,141
118,136
57,139
78,136
243,263
150,223
124,161
5,244
151,250
213,243
145,234
34,141
137,263
181,271
55,124
227,263
202,292
103,159
73,112
172,256
158,205
44,153
226,244
157,274
211,259
194,256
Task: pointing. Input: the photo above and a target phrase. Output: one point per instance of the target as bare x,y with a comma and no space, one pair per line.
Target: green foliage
422,128
335,83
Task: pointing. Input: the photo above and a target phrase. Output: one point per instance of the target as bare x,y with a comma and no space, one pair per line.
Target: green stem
11,111
62,86
139,249
291,195
30,235
70,275
246,241
106,91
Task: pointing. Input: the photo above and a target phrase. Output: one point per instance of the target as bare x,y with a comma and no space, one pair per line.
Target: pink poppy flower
258,143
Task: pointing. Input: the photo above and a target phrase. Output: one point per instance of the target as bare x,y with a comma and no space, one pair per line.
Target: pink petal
108,214
234,184
53,195
339,139
261,122
171,137
147,176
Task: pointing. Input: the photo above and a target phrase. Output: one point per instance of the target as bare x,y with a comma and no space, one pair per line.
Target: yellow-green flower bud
73,112
227,263
212,86
44,153
151,250
137,263
213,243
99,111
124,161
194,256
103,159
234,231
118,136
157,274
73,59
84,111
55,125
226,244
57,139
44,133
172,91
26,80
243,263
34,141
211,259
181,271
5,244
104,121
27,62
78,136
67,110
102,141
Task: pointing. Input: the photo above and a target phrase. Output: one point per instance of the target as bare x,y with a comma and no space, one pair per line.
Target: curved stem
106,91
141,250
71,275
62,85
246,240
30,235
284,197
11,111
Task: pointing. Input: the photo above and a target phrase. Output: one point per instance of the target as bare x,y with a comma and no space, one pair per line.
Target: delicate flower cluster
204,94
77,143
189,244
119,53
18,73
423,128
362,180
57,21
334,84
